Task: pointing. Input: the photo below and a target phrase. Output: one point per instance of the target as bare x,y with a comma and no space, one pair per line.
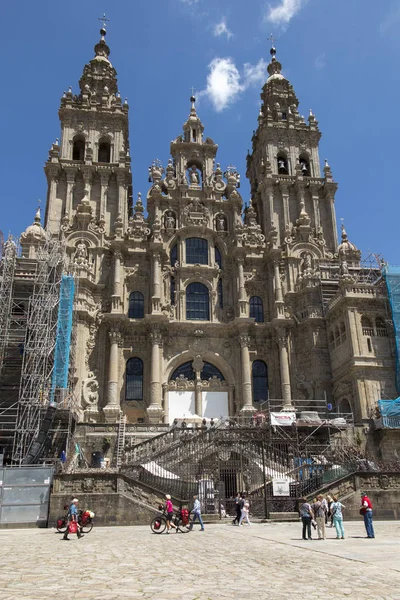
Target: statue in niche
221,223
81,252
344,268
307,263
169,220
194,176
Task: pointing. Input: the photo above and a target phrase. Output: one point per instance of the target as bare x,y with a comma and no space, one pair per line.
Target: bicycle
182,521
85,520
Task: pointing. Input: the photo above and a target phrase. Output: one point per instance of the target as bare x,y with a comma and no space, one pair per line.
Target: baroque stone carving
90,391
196,213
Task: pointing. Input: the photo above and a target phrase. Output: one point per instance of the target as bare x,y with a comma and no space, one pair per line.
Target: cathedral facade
208,307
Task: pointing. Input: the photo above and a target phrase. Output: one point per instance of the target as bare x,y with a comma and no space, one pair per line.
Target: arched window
173,288
283,168
78,148
173,255
260,381
366,325
344,406
218,258
196,251
304,166
220,294
104,151
256,309
134,379
186,370
210,371
197,302
381,330
136,305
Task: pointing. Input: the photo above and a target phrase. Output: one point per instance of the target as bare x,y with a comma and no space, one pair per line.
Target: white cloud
221,28
284,12
225,83
320,62
189,2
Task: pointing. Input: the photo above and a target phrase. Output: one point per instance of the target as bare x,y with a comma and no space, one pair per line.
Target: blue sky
341,56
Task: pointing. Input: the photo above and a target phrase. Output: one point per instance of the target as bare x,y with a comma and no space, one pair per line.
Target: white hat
168,497
75,500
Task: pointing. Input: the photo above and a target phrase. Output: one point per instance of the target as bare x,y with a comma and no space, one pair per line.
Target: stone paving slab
258,562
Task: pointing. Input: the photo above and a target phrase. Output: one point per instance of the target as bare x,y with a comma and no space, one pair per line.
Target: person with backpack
336,510
366,512
73,524
307,515
319,509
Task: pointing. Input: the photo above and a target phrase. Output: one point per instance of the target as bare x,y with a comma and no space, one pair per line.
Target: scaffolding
8,263
34,407
391,275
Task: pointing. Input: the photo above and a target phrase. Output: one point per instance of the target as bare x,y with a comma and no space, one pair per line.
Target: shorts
170,516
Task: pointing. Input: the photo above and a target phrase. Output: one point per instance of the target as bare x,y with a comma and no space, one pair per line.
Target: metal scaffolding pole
40,341
6,292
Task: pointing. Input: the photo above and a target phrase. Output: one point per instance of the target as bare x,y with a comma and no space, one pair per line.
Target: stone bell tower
295,206
88,172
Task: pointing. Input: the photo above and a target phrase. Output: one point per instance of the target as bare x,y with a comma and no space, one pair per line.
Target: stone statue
344,268
221,223
194,176
169,220
81,252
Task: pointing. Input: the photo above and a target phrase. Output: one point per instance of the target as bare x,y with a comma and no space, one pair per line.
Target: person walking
169,509
319,510
72,517
237,509
307,515
336,509
196,510
245,512
366,511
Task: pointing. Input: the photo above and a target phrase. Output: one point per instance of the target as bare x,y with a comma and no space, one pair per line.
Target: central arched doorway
196,390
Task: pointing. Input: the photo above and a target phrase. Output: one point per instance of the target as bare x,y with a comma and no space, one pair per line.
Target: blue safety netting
64,331
392,278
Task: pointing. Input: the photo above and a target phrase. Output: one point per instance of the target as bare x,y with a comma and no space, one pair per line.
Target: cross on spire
192,89
272,39
104,20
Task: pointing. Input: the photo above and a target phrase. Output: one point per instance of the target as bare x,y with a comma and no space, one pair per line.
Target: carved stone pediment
196,213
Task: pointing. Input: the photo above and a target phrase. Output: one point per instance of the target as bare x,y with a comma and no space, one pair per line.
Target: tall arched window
134,379
186,370
136,305
260,381
197,302
173,288
218,258
78,148
366,325
220,294
256,309
210,371
173,255
304,166
104,151
196,251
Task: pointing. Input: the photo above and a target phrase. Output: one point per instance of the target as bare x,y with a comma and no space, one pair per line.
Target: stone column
122,208
242,290
247,400
282,336
285,203
116,296
165,404
154,410
279,303
103,192
156,298
112,408
70,191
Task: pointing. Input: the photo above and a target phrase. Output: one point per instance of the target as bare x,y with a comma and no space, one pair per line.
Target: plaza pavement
257,562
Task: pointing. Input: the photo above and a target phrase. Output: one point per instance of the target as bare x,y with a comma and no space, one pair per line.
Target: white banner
284,419
280,487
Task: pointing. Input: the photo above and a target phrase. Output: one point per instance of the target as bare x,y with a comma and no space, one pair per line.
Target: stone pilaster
112,408
155,411
243,304
116,296
247,400
156,298
282,338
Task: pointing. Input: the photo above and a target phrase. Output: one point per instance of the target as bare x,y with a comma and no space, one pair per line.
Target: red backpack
185,516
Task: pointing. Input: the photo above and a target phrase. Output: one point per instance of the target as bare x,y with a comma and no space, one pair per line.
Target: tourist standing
73,518
237,510
307,515
336,510
245,512
169,509
329,515
319,510
196,510
366,511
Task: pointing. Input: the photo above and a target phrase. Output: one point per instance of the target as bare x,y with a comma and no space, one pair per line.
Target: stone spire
99,76
347,250
193,128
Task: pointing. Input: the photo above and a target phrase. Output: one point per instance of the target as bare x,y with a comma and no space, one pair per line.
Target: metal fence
24,495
